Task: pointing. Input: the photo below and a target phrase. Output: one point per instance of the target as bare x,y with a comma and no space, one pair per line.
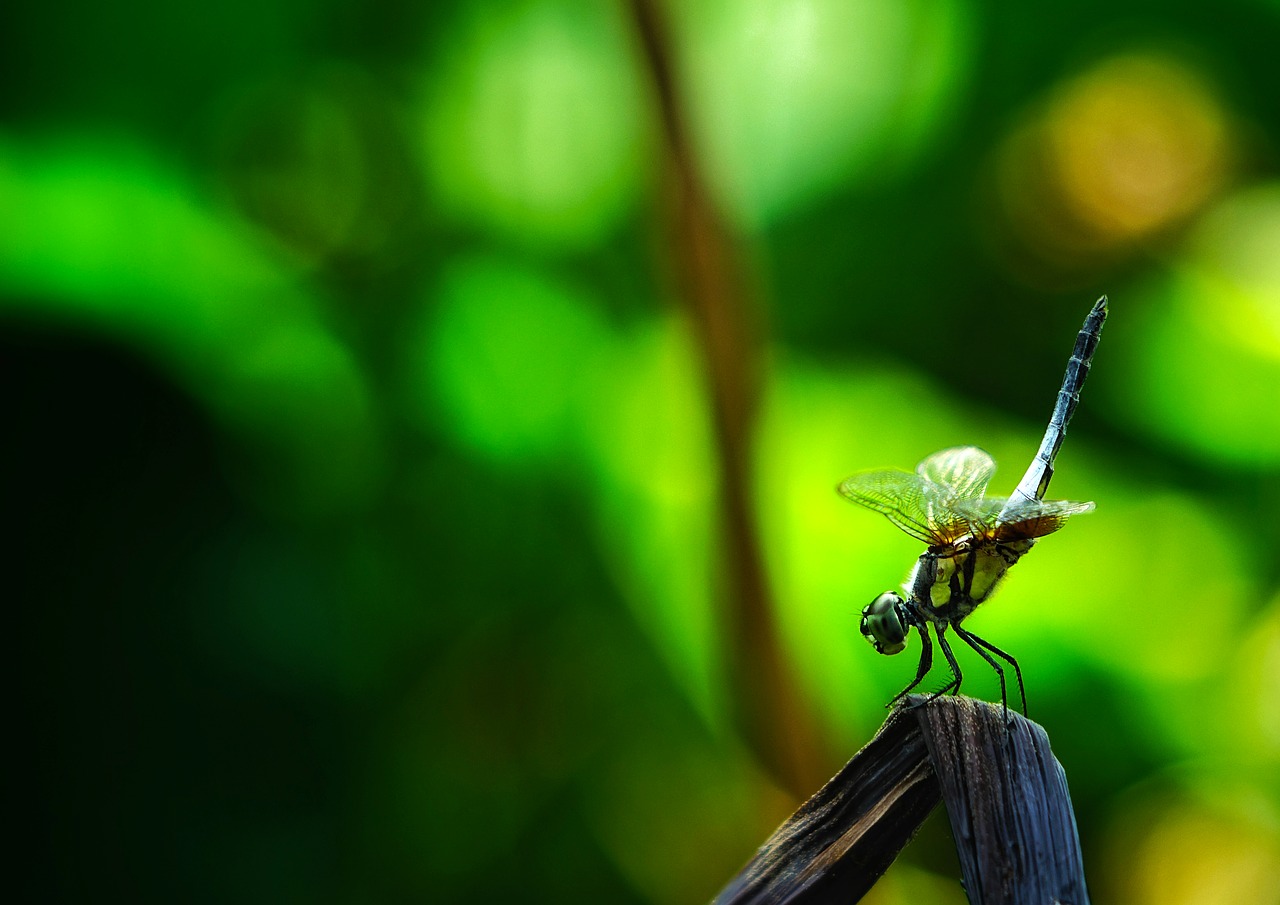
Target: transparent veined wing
898,495
911,501
962,472
1008,520
981,515
1028,519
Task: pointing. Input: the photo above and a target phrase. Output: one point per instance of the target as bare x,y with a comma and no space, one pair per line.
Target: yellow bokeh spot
1121,152
1187,854
1135,144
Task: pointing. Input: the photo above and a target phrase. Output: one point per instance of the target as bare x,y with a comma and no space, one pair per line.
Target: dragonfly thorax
949,582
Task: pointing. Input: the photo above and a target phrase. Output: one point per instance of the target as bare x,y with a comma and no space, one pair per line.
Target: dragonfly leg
952,687
974,641
922,669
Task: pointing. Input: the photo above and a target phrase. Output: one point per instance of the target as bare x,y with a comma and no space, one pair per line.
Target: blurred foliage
368,506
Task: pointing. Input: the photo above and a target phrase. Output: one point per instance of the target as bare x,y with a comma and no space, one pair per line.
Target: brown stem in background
770,712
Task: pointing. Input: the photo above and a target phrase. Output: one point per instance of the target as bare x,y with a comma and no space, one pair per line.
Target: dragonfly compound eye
882,624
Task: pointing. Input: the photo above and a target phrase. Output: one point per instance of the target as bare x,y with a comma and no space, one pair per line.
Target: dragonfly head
885,623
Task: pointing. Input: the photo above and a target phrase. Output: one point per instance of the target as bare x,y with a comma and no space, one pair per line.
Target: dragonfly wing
981,515
903,498
1020,519
962,471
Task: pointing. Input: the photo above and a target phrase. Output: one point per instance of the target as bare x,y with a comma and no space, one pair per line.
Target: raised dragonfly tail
1036,481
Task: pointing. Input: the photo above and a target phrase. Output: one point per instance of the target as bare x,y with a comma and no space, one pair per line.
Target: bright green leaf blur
532,127
98,234
792,99
528,373
1210,361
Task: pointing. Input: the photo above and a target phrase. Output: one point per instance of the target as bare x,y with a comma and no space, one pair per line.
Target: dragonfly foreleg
952,687
972,641
922,669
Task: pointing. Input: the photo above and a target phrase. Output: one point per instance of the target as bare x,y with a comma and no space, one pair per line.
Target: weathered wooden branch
1006,797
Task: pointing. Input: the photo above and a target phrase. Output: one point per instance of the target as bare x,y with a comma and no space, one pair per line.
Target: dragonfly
972,539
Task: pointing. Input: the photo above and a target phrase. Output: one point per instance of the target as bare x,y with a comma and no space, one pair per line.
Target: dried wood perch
1006,797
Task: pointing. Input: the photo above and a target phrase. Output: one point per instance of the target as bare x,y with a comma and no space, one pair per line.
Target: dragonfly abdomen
1036,481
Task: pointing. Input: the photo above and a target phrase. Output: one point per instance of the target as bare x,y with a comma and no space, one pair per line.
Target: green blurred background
424,422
